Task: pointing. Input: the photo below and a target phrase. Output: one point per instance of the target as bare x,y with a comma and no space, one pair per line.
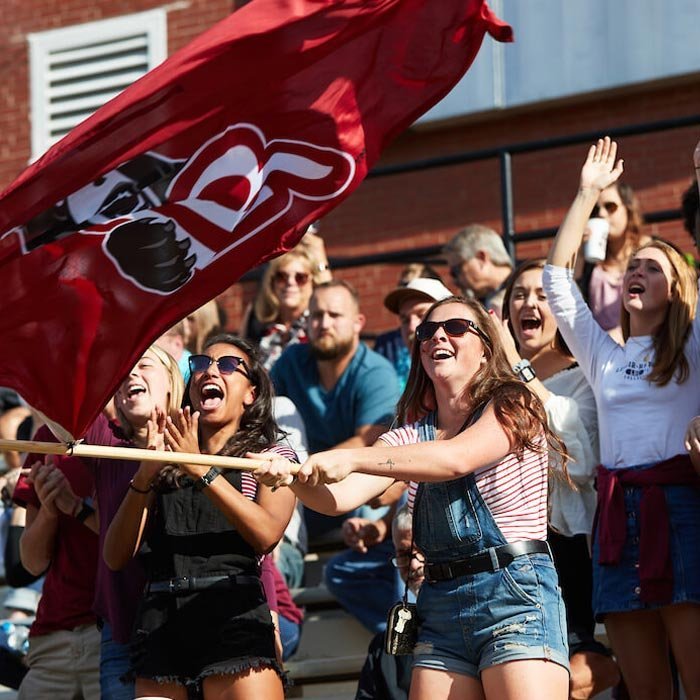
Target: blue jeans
114,663
366,585
290,632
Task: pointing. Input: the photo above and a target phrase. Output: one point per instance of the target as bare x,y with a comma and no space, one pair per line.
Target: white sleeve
566,419
586,339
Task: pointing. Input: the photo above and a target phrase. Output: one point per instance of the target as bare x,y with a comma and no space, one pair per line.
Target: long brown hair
669,340
518,410
535,264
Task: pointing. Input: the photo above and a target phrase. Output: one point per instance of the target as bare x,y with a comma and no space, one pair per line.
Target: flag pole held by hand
130,453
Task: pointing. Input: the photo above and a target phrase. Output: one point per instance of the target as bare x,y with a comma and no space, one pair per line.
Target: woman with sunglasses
473,446
534,345
602,282
279,315
646,544
204,620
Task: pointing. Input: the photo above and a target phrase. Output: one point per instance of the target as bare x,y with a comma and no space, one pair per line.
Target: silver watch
525,370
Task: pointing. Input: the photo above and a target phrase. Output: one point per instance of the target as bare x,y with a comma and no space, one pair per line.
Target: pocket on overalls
450,516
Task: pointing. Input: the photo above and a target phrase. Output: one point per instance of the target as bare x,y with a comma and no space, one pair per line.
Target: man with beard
346,395
345,392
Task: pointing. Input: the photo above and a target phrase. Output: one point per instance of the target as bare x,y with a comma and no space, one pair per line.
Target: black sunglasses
454,327
610,207
227,364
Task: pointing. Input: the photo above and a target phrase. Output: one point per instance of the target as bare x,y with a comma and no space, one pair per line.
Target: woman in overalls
474,446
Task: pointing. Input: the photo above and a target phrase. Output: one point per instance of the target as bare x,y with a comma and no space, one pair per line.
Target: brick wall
414,210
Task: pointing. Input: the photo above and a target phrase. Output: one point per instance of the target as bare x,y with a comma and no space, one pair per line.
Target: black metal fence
505,155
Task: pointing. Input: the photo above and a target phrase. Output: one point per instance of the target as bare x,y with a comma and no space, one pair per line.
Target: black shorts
183,638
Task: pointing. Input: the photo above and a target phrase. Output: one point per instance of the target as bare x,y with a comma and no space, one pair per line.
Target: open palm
600,169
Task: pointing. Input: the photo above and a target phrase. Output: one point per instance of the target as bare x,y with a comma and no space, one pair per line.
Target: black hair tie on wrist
138,490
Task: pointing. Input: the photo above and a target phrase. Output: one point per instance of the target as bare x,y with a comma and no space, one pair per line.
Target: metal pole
507,202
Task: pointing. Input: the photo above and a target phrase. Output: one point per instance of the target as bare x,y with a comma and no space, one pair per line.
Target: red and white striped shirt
514,490
249,486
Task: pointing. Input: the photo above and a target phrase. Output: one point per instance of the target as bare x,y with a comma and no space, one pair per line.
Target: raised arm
599,171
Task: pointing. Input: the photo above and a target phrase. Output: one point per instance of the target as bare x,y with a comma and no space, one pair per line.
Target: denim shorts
616,587
473,622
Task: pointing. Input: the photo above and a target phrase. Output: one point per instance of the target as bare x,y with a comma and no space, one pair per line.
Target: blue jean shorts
616,588
473,622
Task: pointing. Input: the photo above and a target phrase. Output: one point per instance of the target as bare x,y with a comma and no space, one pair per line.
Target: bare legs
253,683
641,641
514,680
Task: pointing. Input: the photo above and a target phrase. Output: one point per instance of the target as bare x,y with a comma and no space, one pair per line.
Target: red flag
210,164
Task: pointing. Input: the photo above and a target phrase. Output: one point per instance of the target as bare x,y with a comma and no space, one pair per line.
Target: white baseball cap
423,288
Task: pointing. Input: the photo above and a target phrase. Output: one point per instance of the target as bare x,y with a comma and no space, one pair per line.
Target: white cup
594,248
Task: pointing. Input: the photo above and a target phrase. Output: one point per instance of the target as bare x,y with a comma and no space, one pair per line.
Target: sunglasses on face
610,207
227,364
301,278
454,327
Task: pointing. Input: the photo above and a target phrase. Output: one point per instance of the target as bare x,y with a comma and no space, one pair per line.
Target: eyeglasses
402,560
456,271
227,364
301,278
610,207
454,327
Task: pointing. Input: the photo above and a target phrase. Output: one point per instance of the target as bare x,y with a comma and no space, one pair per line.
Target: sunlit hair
267,305
518,410
669,340
537,264
175,388
206,320
635,217
257,430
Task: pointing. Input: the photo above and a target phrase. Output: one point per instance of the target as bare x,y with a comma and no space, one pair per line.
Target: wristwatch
525,371
85,511
206,480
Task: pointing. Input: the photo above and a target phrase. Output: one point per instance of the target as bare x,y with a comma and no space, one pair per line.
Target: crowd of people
517,461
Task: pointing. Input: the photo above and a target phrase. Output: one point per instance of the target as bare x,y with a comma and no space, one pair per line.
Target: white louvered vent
75,70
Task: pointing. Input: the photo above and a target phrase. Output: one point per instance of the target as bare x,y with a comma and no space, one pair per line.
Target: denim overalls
472,622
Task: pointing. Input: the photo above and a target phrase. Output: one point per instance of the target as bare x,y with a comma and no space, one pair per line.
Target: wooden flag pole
130,453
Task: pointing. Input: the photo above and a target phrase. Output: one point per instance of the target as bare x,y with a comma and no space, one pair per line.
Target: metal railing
505,154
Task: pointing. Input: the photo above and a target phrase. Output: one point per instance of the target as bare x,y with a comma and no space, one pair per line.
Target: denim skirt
616,588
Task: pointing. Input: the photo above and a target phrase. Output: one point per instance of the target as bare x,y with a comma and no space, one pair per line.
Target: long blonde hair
267,305
176,388
669,340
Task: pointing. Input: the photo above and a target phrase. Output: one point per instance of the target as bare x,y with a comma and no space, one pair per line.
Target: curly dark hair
258,429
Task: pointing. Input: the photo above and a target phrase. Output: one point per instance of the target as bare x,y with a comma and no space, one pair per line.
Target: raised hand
182,433
600,169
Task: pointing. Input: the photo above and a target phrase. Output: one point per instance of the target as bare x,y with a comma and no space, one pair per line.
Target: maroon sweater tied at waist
655,566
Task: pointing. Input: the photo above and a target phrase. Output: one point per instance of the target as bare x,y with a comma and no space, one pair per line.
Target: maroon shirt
117,593
69,587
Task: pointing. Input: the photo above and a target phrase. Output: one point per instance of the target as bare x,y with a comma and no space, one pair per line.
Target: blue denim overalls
469,623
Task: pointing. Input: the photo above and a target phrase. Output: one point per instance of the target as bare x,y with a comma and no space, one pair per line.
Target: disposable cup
594,248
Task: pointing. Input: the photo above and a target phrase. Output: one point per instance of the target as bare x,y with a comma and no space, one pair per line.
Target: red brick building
408,211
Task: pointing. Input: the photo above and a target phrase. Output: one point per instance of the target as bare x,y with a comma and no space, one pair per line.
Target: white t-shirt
571,414
515,490
639,422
